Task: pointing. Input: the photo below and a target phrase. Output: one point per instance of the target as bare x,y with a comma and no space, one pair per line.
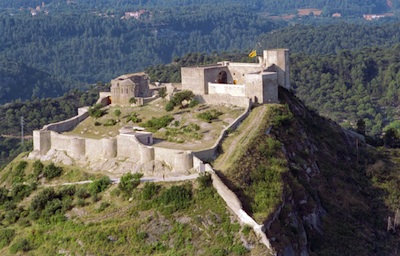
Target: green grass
177,219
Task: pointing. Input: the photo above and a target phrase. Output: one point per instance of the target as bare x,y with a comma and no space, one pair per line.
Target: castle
256,81
240,84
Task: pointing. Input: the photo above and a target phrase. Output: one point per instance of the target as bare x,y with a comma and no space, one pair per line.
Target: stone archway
222,77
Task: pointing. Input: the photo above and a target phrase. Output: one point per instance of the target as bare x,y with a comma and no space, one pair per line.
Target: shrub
134,118
96,111
204,180
117,112
103,206
97,123
37,168
158,123
6,236
99,185
132,100
177,197
82,193
193,103
210,115
169,106
3,195
181,96
19,172
19,191
40,200
21,244
129,181
51,171
67,191
149,190
162,92
110,122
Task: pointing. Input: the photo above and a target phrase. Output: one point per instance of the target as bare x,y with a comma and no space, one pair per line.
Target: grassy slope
331,199
146,221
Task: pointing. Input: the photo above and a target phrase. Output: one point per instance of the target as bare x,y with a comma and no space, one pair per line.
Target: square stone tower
279,58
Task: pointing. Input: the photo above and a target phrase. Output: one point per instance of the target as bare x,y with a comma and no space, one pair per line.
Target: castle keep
257,81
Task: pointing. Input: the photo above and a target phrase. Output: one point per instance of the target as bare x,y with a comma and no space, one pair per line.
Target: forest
349,7
90,48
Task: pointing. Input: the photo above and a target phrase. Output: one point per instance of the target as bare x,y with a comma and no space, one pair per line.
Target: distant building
135,15
337,15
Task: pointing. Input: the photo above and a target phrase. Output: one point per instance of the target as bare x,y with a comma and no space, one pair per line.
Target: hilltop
318,188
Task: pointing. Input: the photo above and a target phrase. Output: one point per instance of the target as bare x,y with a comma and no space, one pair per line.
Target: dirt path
143,179
242,138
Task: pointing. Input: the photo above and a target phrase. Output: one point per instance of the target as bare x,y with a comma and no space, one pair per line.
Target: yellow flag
253,54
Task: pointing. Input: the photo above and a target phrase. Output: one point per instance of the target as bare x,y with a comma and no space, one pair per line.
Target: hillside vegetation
316,187
129,219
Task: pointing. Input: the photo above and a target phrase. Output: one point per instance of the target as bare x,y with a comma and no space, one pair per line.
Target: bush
99,185
37,168
96,111
204,180
67,191
162,92
169,106
129,181
158,123
117,112
210,115
132,100
149,190
134,118
110,122
20,191
3,195
82,193
6,236
21,244
40,200
51,171
19,173
193,103
177,197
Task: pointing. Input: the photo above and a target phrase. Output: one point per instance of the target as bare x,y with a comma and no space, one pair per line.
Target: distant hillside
333,38
20,81
348,7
